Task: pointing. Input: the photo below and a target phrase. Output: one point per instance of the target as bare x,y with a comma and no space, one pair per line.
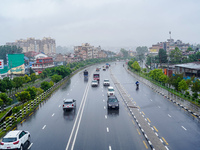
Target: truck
96,76
85,73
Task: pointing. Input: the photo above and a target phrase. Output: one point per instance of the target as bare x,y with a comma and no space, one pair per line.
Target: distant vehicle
97,69
15,140
111,91
69,104
96,76
106,82
104,69
85,73
112,102
94,83
107,65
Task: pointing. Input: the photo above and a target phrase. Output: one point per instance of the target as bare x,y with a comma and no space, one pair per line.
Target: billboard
16,64
1,64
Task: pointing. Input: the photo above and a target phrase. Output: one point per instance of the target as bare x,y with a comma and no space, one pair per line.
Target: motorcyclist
137,83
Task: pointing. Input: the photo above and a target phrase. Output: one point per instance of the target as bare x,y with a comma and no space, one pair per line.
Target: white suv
106,82
111,91
15,140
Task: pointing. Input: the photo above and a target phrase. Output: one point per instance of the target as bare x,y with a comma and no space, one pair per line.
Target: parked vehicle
15,140
96,76
94,83
106,82
111,91
97,69
112,102
69,104
107,65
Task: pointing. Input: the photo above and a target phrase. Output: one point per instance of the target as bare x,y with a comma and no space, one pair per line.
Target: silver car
69,104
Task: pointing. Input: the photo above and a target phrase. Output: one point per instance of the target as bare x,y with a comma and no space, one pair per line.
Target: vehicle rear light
16,142
2,143
72,104
63,105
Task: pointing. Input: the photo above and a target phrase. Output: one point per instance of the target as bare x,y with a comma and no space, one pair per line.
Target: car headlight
109,104
117,104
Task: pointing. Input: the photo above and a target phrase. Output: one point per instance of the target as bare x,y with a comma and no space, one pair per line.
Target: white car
106,82
94,83
15,140
111,91
69,104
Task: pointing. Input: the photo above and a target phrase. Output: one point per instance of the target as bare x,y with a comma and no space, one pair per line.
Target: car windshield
96,76
112,100
106,80
110,90
94,81
67,102
9,139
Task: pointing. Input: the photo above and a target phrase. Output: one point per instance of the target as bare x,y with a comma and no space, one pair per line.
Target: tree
162,54
5,98
2,85
176,55
136,66
45,85
56,78
27,78
9,83
182,85
195,88
141,51
32,91
124,52
23,96
189,49
18,81
33,77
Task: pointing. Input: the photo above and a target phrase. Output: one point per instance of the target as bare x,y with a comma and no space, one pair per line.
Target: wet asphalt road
101,129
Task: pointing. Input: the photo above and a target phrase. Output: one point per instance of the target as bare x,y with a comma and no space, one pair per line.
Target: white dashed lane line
44,127
30,145
53,114
104,107
105,116
110,148
59,106
150,99
169,116
184,128
158,106
107,129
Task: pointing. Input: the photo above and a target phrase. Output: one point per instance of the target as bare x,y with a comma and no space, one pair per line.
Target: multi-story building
42,63
169,46
46,45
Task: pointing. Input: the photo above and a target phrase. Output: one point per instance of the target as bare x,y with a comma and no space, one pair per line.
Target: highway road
91,126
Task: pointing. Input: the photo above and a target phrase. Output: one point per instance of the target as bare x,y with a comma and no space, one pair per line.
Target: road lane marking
78,119
44,127
30,145
145,144
165,141
102,94
148,119
110,148
107,129
104,107
169,116
30,114
106,116
194,116
184,128
23,120
143,113
14,128
150,99
155,128
138,132
133,122
59,105
103,100
158,106
129,114
53,114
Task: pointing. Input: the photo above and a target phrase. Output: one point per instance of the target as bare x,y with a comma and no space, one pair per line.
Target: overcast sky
100,22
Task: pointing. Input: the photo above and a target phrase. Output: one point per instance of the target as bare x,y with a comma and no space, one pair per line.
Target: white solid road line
184,128
79,114
105,116
44,127
104,107
107,129
30,145
53,114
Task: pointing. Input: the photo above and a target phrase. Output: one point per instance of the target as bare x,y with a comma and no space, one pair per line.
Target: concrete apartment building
86,51
46,45
169,45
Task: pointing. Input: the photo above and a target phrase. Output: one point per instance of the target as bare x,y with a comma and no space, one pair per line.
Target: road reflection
113,112
69,115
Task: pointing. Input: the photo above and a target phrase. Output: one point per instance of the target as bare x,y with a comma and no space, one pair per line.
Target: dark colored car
113,102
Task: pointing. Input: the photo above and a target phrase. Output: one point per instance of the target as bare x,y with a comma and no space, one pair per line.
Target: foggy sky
100,22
